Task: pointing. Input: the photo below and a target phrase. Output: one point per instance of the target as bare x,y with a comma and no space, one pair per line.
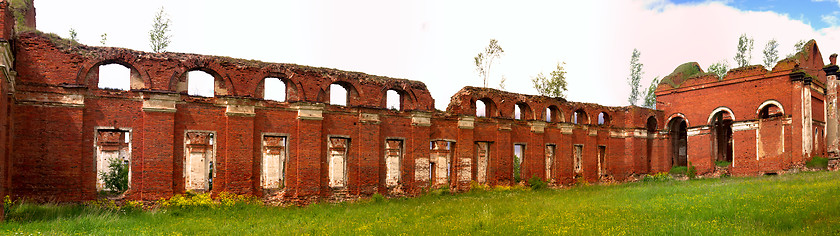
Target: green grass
817,163
723,163
678,170
801,204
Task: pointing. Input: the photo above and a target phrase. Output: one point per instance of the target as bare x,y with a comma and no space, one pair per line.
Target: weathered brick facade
759,121
58,127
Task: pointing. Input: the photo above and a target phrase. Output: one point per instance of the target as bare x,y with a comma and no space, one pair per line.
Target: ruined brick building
59,128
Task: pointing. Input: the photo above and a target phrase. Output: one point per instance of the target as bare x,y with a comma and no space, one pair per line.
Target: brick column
364,178
238,160
156,174
304,168
416,147
831,123
461,173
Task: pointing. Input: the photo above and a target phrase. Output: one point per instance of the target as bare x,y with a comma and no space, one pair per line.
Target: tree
720,68
744,54
159,37
635,77
798,47
650,95
554,86
485,59
73,35
771,54
103,38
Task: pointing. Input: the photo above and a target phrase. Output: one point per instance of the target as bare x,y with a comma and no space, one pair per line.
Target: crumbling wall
761,145
297,149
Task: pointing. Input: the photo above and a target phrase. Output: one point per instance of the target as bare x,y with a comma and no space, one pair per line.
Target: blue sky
818,14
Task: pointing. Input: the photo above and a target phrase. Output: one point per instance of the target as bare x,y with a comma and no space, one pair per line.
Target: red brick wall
55,159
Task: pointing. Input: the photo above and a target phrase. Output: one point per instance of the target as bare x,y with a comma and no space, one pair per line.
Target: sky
435,41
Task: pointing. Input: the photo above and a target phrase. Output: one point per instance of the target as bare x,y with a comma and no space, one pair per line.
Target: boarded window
273,162
602,156
199,160
576,155
549,160
483,157
338,161
393,158
112,145
439,164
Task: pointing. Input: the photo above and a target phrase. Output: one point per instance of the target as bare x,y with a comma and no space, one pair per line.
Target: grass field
799,204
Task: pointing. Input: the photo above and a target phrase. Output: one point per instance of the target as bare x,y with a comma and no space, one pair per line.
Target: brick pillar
156,171
238,160
364,168
304,170
536,151
416,147
831,123
462,158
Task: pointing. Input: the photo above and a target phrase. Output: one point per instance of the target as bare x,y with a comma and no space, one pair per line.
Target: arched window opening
114,76
678,131
547,114
393,100
770,111
722,145
338,95
275,89
480,108
579,117
200,83
603,118
522,111
552,114
517,112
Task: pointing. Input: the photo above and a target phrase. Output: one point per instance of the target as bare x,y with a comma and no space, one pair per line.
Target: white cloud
831,19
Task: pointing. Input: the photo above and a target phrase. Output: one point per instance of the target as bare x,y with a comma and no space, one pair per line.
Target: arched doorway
722,148
678,130
651,131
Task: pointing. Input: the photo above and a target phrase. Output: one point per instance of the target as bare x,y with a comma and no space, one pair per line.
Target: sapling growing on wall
635,77
744,53
485,59
554,85
159,37
771,54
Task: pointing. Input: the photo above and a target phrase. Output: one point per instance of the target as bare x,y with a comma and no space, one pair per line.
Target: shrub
692,172
658,177
678,170
204,200
516,169
475,186
817,162
116,177
723,163
376,197
536,183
